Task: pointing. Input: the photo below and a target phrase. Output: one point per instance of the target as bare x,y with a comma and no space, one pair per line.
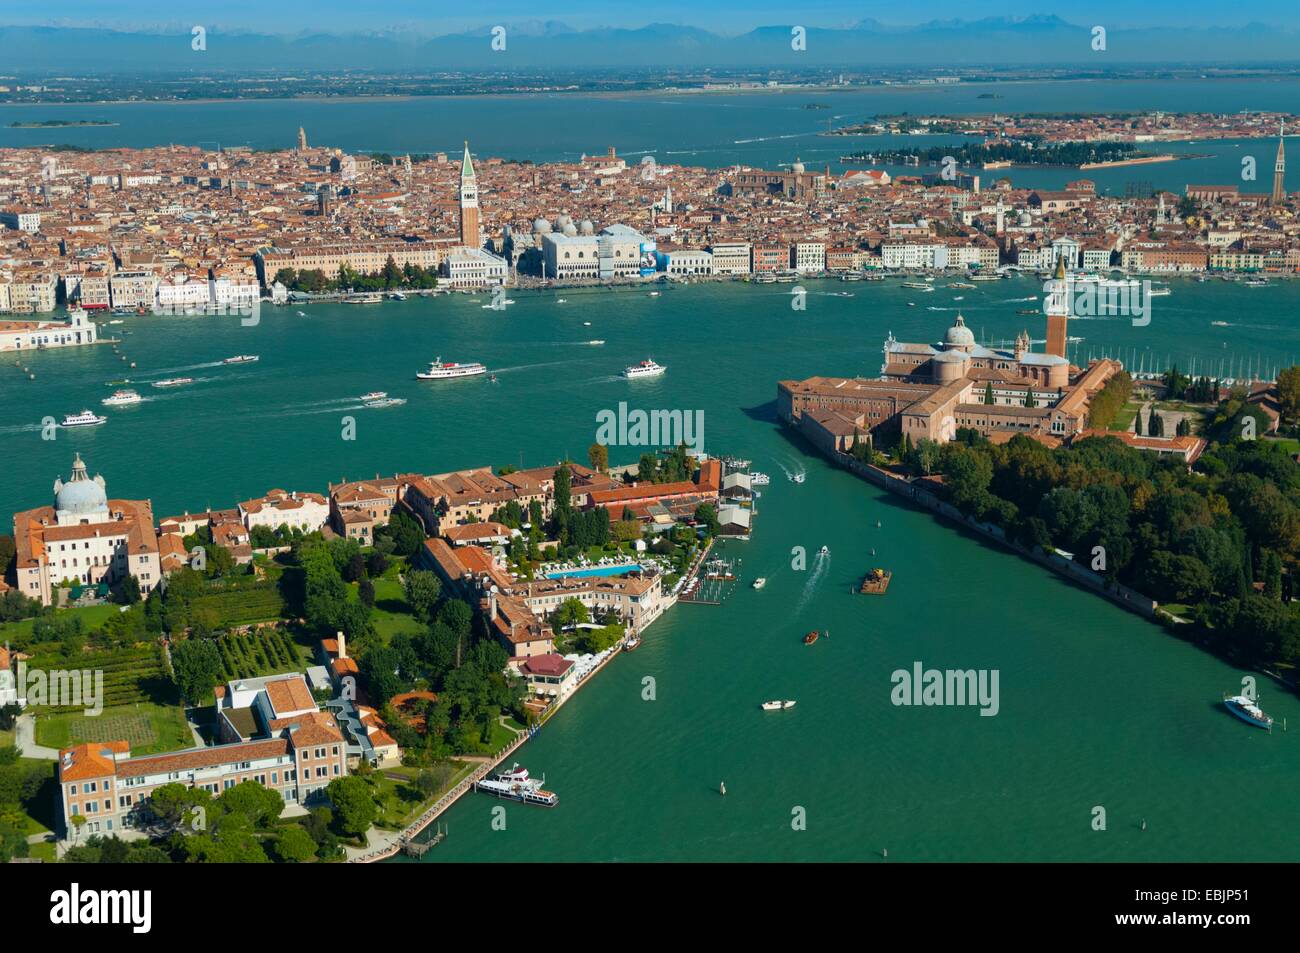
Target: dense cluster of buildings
184,228
272,730
85,539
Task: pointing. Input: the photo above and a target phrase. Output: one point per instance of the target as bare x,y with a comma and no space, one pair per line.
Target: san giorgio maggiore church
85,537
929,391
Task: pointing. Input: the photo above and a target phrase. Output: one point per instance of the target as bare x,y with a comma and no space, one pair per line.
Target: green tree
354,808
706,514
423,590
294,846
570,612
258,805
598,456
406,532
196,668
1288,392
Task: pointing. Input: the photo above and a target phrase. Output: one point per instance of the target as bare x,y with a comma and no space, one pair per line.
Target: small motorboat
632,644
811,637
493,380
374,395
760,582
774,705
799,477
824,551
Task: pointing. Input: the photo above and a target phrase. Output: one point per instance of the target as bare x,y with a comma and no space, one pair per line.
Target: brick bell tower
1057,307
1279,168
470,235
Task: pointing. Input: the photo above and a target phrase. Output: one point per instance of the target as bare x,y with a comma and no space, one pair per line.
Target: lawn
398,798
1127,414
1286,443
40,822
148,727
392,613
92,617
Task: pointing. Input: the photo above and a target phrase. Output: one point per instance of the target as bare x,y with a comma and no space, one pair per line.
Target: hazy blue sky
724,16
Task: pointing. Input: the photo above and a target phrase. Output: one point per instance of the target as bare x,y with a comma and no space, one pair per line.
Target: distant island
1002,154
60,123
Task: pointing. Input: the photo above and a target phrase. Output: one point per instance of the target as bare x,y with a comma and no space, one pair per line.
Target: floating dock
876,582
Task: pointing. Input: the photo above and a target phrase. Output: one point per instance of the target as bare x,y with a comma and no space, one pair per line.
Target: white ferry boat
986,277
121,398
386,402
83,419
1248,710
647,368
174,382
374,395
440,371
760,582
516,785
918,285
241,359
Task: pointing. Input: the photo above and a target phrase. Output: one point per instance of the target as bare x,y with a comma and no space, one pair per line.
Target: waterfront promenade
390,843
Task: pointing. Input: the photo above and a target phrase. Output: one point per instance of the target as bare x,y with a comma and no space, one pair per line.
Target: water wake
821,563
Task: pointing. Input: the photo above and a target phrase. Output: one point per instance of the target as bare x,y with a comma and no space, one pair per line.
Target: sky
433,17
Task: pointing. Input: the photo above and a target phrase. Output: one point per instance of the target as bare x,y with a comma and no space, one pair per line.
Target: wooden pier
411,848
876,582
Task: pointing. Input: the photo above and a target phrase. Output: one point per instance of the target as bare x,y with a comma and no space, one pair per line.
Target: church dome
797,167
80,496
959,335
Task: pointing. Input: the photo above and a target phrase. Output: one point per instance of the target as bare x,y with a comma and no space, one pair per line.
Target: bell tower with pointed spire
1057,307
1279,168
469,226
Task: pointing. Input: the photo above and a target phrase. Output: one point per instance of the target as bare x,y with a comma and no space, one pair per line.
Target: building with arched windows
85,538
930,391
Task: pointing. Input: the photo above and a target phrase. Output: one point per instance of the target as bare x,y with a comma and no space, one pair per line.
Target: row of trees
391,277
1203,539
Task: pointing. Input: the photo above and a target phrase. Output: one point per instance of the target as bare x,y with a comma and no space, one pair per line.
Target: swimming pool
595,571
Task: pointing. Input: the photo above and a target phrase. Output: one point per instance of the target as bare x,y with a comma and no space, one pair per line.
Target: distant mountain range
1033,40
